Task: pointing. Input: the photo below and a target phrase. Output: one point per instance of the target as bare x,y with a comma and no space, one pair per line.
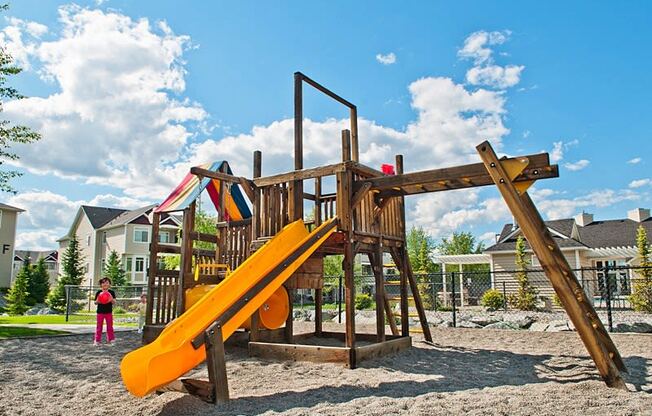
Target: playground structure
274,248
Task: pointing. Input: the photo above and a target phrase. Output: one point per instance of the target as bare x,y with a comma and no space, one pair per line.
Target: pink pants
109,327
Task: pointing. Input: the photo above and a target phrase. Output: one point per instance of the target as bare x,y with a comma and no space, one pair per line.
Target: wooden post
376,260
346,225
185,269
405,310
216,363
153,267
354,134
255,220
581,312
319,295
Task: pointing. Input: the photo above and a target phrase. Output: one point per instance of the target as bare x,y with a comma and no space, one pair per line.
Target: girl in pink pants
104,299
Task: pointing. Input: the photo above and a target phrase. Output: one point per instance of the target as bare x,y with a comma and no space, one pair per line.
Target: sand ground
469,371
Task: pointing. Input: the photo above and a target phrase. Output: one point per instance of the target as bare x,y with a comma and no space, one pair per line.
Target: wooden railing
164,297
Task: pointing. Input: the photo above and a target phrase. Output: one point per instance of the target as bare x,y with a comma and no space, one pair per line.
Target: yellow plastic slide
171,355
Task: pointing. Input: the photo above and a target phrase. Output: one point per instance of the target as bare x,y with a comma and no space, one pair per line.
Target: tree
641,297
114,271
18,294
26,271
39,282
526,296
419,246
10,134
73,273
460,243
205,224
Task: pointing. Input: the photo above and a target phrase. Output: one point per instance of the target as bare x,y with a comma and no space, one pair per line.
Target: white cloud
559,147
495,76
387,59
579,165
475,45
115,106
634,161
526,134
555,208
49,215
638,183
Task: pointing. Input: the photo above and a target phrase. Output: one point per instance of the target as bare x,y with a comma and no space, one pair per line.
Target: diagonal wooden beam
247,185
579,309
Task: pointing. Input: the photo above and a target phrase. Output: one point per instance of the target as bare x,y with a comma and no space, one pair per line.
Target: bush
493,300
556,301
363,301
119,309
641,297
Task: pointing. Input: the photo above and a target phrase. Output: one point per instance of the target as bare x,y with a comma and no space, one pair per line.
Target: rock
522,322
639,327
47,311
558,326
483,320
327,315
539,326
446,324
33,311
468,324
502,325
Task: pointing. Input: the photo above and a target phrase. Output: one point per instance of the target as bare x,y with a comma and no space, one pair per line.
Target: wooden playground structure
370,220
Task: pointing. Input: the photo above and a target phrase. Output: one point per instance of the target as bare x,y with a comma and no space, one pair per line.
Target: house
588,246
8,221
101,230
50,259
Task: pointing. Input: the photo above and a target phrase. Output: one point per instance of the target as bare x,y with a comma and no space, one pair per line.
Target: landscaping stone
484,320
47,311
539,326
502,325
523,322
468,324
639,327
558,326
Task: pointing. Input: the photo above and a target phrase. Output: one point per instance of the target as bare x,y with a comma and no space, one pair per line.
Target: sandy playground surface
470,371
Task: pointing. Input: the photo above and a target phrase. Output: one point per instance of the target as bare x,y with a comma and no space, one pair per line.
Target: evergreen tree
10,134
641,297
39,282
73,273
526,297
114,271
17,296
27,271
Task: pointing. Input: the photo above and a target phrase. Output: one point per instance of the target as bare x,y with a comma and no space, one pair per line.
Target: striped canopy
190,187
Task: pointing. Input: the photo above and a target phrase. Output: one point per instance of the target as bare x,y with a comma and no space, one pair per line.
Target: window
88,240
140,264
128,265
0,218
104,237
534,261
50,265
86,268
141,235
164,237
102,264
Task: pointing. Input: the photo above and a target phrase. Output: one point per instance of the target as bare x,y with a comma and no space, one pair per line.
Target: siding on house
8,219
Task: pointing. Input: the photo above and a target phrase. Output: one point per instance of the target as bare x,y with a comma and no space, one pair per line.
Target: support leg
216,363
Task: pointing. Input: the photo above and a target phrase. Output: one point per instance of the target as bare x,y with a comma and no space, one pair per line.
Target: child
104,312
142,308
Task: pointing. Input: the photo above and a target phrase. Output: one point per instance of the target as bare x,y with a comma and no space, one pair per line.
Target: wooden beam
369,352
376,260
300,175
296,352
390,315
153,266
360,194
216,363
579,309
247,185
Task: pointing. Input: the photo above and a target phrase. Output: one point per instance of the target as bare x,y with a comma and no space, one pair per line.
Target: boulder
468,324
558,326
47,311
539,326
639,327
522,322
502,325
33,311
484,320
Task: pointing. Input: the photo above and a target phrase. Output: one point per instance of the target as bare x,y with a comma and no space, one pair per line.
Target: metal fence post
339,300
504,297
434,292
67,302
453,295
608,298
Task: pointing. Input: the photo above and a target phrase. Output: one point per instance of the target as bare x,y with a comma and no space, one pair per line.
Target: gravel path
488,372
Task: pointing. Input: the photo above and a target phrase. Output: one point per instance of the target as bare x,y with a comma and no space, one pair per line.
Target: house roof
99,216
49,255
127,217
595,235
10,208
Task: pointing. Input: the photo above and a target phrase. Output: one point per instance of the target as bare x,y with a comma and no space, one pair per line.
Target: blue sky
129,94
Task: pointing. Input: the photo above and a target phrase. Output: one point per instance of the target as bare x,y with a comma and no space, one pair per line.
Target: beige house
8,222
588,246
50,259
101,230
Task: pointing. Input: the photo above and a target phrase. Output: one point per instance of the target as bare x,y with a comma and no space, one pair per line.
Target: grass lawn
19,331
84,319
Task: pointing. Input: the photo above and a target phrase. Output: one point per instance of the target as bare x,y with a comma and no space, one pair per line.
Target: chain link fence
621,295
81,308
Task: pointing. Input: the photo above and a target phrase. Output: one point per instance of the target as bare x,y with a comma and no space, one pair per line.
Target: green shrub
119,309
363,301
556,301
493,300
